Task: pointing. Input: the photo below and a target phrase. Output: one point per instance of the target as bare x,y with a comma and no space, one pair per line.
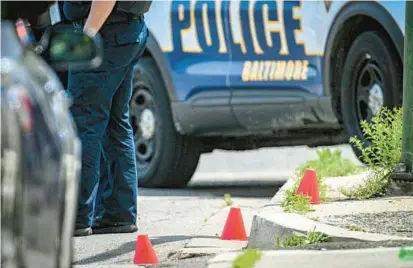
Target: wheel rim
143,120
369,90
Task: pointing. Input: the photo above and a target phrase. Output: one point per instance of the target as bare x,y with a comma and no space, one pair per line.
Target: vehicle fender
161,61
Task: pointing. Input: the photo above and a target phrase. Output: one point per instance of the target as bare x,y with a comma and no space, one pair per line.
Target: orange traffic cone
144,252
234,227
309,186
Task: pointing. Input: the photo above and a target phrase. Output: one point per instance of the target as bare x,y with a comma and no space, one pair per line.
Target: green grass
329,163
310,238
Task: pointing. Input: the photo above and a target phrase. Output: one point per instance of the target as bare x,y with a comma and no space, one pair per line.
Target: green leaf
247,259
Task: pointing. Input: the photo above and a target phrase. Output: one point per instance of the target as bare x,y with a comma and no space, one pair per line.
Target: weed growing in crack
310,238
315,218
381,154
354,228
294,203
227,201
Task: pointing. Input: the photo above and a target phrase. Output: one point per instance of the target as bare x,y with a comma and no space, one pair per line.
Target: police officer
101,111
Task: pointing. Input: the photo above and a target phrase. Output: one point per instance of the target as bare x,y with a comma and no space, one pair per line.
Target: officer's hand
90,32
99,12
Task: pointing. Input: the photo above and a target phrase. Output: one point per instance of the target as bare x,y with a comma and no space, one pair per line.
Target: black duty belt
120,17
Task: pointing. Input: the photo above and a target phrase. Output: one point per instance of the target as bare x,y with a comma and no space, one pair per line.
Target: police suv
239,75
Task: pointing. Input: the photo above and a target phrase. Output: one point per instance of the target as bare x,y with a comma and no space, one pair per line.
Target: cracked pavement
172,217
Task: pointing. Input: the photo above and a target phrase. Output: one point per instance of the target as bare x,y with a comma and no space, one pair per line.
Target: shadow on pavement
107,255
252,189
157,240
263,189
129,247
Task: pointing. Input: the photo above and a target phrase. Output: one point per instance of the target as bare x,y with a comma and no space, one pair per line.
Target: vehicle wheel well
168,86
352,28
147,54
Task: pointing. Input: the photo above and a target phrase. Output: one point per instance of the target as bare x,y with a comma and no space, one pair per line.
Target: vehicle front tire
372,79
164,157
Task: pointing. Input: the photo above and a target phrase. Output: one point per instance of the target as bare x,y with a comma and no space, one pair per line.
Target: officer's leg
92,94
121,206
105,182
90,111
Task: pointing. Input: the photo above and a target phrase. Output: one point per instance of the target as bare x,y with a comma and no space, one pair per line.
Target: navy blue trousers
101,111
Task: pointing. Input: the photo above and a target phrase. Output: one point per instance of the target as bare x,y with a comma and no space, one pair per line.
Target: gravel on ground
391,223
351,245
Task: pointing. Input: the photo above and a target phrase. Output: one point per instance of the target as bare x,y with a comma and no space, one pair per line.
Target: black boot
115,228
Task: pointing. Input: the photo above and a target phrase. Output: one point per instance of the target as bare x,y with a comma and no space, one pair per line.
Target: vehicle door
275,61
191,34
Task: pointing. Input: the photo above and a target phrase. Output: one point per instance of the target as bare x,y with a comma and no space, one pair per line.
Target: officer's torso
76,10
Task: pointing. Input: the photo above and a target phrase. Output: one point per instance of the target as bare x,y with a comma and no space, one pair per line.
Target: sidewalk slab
272,222
334,184
108,266
207,240
377,205
360,258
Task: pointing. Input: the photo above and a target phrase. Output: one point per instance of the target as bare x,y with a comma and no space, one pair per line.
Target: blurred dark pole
407,149
405,170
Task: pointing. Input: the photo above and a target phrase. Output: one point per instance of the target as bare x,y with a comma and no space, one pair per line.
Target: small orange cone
234,227
309,186
144,252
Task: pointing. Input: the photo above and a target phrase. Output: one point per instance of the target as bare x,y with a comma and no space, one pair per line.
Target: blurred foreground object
40,152
407,149
405,170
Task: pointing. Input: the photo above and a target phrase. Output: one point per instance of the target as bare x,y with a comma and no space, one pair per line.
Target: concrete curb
272,222
366,258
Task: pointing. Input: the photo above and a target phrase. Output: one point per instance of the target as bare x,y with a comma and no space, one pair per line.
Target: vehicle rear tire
372,78
164,157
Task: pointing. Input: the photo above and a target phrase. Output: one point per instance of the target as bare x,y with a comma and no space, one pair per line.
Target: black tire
174,157
371,60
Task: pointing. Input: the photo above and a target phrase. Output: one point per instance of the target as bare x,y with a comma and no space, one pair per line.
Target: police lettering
274,70
198,27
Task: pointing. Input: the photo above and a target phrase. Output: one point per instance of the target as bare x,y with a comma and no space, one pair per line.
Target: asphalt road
172,217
